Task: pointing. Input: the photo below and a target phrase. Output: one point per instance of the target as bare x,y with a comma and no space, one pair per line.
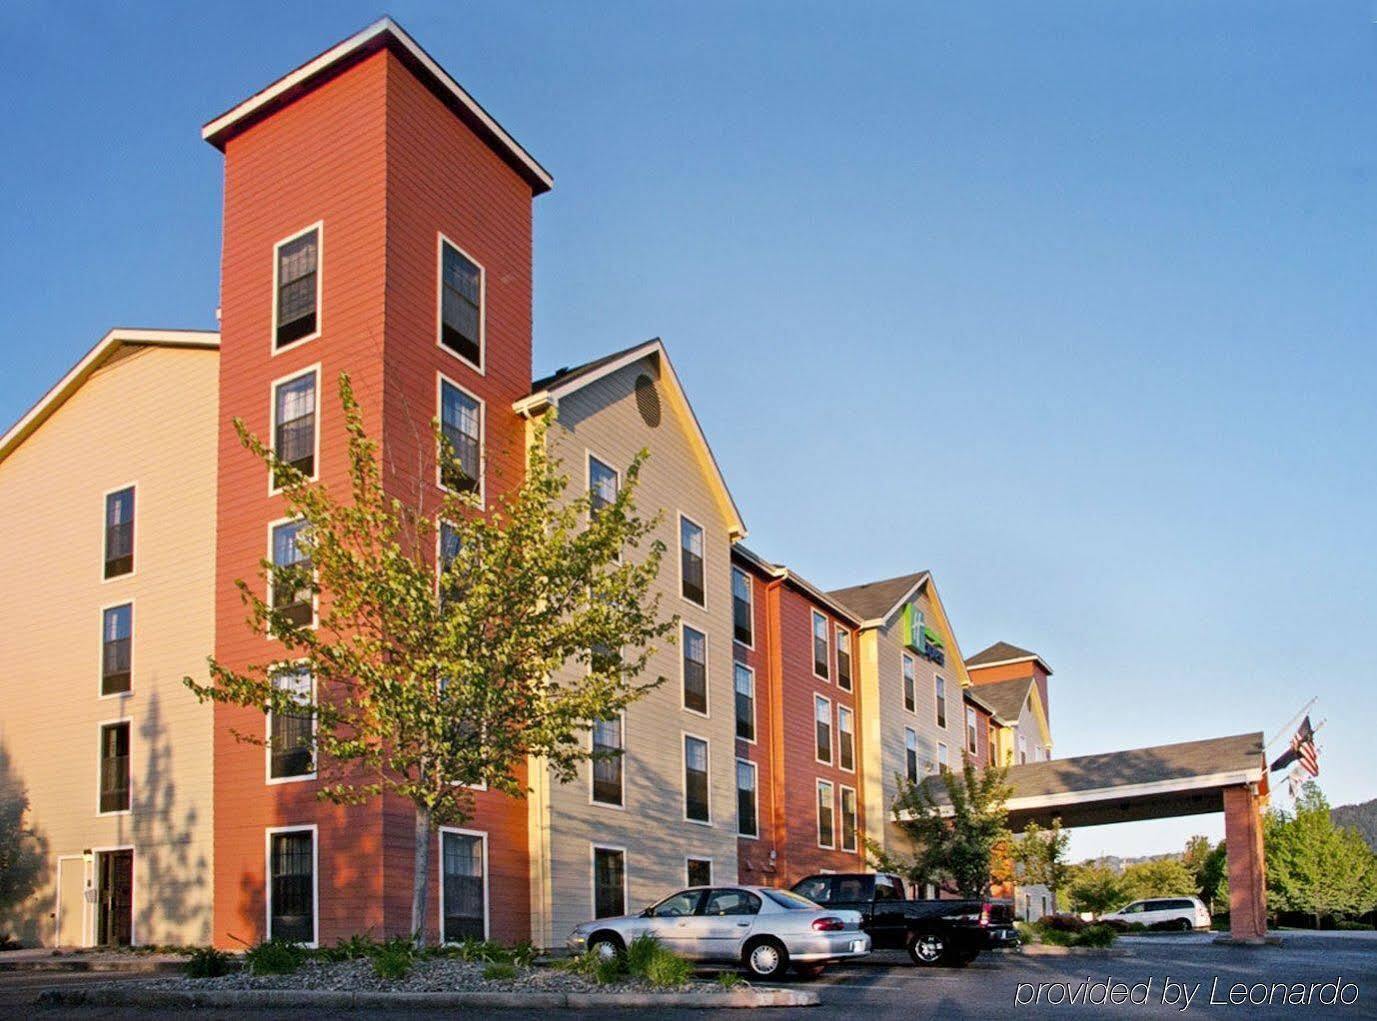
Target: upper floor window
607,765
843,659
746,816
461,305
972,731
695,669
910,696
745,701
117,635
940,688
1022,749
119,532
743,624
603,485
911,754
461,424
294,423
822,714
848,820
820,657
994,747
846,738
696,779
691,584
297,311
827,834
114,767
291,595
291,735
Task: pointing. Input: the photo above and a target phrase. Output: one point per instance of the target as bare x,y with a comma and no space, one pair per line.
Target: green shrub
353,948
524,954
480,951
207,962
1027,933
274,957
1349,925
729,979
1096,936
498,971
393,960
646,959
1062,923
640,952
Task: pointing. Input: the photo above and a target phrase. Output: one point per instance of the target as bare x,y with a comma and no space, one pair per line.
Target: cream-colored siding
602,419
148,417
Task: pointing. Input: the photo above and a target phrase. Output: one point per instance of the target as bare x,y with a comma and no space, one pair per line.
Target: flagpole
1292,722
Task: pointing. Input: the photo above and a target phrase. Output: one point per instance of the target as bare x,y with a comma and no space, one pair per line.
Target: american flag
1302,750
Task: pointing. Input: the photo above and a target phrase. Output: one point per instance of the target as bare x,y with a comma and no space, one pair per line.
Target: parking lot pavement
885,986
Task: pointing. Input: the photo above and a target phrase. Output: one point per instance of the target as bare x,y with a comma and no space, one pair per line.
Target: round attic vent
648,400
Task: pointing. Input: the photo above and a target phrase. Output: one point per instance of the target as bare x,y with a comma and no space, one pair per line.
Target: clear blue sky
1071,303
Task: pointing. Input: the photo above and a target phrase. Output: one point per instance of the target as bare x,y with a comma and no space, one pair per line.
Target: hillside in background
1362,817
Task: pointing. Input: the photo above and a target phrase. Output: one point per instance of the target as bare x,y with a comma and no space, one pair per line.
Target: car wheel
808,971
1184,924
606,946
765,958
927,948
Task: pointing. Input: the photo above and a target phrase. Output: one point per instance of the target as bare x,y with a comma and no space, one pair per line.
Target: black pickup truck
947,932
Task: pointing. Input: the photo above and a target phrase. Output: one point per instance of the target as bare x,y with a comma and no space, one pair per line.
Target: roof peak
1004,652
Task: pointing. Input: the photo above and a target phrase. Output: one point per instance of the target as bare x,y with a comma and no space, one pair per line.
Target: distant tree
954,833
1161,877
1314,866
1040,857
1208,863
1362,817
21,851
1096,888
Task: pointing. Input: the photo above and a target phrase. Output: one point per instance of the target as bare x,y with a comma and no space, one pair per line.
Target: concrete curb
1051,950
315,999
59,965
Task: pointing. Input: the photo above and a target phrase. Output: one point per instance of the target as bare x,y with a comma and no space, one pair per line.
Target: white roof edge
384,25
90,361
908,595
1034,658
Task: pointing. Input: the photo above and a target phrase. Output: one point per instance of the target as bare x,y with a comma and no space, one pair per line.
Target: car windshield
791,901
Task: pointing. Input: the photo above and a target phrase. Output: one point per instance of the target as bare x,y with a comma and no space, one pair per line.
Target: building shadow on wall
25,893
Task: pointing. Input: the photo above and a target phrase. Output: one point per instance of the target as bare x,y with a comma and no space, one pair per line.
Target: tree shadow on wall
24,867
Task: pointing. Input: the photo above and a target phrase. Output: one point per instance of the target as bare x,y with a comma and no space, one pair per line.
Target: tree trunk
420,878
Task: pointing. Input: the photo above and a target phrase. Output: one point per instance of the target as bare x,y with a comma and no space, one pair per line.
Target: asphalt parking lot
997,985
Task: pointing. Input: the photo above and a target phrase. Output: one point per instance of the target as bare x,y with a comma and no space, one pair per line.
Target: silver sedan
764,929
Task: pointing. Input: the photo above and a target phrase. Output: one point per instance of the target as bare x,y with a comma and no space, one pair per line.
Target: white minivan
1183,913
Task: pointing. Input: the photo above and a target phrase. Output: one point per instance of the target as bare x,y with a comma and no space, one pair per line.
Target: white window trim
750,603
96,852
439,525
831,728
972,732
315,596
133,543
851,713
588,458
268,733
943,720
838,634
738,665
268,835
683,774
607,804
706,713
755,799
440,380
908,661
841,819
272,421
100,651
917,773
100,730
943,756
680,518
711,869
440,878
480,368
817,808
319,226
826,642
593,849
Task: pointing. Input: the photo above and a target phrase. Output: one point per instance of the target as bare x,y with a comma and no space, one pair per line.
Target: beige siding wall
148,418
602,419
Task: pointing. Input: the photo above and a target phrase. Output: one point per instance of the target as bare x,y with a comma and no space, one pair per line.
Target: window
822,716
463,886
818,889
1022,749
729,902
819,645
291,594
607,768
698,871
843,659
447,551
910,755
291,736
691,562
117,634
292,885
743,624
114,767
972,731
119,533
609,882
745,702
603,485
910,697
298,288
695,646
846,739
461,424
848,819
941,690
826,829
679,905
696,779
746,818
294,424
994,747
942,762
461,305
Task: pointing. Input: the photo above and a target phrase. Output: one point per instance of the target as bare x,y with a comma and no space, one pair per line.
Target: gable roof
105,349
1001,653
743,554
382,34
1006,698
880,600
548,391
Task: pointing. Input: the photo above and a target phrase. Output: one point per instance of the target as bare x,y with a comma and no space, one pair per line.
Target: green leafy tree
22,851
1208,863
954,828
1162,877
1315,866
1040,857
432,686
1096,888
